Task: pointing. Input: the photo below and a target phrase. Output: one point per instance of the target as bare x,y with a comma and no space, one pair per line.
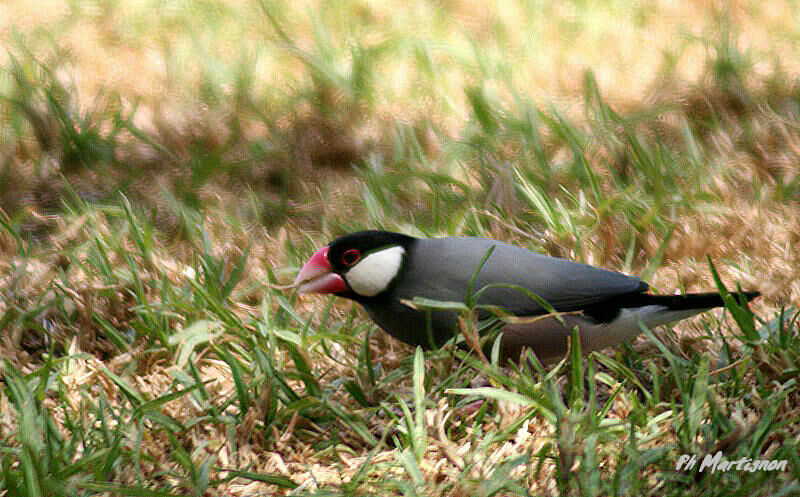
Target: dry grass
260,158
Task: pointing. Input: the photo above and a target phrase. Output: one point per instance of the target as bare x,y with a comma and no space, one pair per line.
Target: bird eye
351,256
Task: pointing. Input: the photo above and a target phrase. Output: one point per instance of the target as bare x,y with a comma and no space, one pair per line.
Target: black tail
609,309
694,300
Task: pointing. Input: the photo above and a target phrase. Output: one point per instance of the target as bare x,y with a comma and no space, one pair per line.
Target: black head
348,250
359,265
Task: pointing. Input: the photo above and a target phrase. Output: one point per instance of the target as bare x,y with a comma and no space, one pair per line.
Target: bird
384,271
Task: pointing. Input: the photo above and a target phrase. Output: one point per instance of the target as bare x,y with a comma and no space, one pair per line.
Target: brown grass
756,236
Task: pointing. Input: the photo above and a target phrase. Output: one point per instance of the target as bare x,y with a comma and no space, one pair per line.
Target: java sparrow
380,270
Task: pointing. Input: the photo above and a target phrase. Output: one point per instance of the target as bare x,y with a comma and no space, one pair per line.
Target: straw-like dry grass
165,166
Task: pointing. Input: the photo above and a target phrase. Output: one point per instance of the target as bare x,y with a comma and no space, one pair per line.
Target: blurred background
605,131
597,128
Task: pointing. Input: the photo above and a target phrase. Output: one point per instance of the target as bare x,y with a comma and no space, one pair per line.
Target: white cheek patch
374,272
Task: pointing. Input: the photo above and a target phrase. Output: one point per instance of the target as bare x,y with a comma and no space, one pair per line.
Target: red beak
317,275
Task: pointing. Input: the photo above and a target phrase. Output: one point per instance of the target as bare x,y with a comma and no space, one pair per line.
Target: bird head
358,266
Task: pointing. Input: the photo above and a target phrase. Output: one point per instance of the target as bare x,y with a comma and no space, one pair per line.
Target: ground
166,168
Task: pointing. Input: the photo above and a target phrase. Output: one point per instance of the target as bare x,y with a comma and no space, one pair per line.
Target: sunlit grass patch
166,167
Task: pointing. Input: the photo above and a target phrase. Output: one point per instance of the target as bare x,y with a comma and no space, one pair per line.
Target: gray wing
441,268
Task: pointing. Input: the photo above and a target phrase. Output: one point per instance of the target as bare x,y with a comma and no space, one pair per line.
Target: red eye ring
351,257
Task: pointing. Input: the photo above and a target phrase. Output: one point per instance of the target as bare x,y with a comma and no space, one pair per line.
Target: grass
151,211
